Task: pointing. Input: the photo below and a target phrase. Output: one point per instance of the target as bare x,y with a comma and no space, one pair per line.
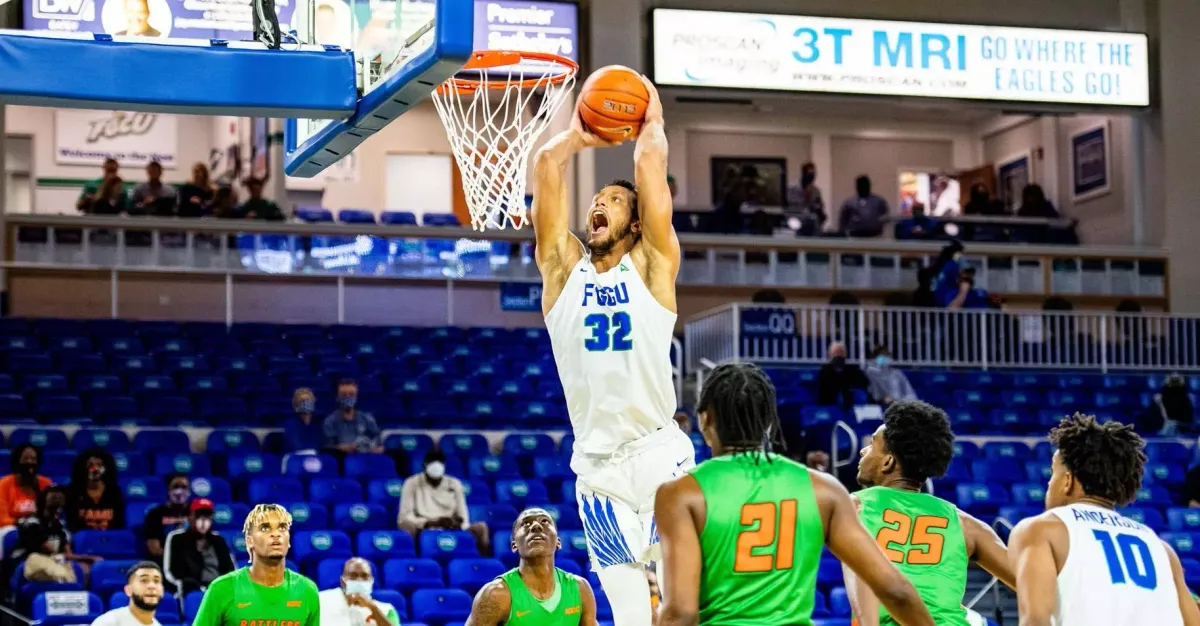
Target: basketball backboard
403,50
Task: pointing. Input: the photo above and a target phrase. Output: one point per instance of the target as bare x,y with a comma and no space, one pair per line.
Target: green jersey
923,537
563,608
761,542
235,600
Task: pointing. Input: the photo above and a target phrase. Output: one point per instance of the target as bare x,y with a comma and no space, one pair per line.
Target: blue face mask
882,361
347,402
306,405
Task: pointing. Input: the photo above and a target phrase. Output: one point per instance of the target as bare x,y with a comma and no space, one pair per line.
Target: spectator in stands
1191,487
196,195
806,203
154,197
46,535
918,226
19,490
351,603
981,202
109,199
347,429
817,460
838,379
144,586
109,170
434,500
168,517
304,434
887,384
256,207
864,213
224,204
1035,204
196,556
95,501
955,288
1171,414
683,417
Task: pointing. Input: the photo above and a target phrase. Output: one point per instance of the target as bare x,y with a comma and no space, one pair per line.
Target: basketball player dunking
609,304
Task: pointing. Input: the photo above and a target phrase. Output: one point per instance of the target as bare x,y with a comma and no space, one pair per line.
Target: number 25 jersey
1117,572
761,542
612,346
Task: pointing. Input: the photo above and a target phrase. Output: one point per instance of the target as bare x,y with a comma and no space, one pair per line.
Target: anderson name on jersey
612,345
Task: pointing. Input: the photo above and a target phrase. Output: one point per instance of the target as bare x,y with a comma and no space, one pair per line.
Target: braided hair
741,400
1107,459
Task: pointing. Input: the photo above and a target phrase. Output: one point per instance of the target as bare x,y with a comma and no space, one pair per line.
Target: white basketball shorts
616,495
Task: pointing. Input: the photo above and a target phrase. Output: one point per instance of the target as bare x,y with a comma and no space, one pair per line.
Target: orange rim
487,59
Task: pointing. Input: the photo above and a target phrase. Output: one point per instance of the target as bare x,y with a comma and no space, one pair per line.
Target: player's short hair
742,398
633,204
260,512
530,510
1108,460
918,435
141,565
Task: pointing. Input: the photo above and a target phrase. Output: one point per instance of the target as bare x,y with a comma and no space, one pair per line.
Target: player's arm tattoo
491,605
587,617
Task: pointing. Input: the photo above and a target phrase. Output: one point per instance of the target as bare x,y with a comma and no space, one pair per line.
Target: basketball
613,103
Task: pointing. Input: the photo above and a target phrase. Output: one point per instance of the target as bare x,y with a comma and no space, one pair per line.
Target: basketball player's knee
628,593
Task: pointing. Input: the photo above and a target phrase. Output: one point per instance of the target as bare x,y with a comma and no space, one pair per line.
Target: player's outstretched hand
654,110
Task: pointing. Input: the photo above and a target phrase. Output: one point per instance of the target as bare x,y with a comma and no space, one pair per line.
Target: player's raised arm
986,549
676,523
848,540
1032,561
654,192
491,606
1187,602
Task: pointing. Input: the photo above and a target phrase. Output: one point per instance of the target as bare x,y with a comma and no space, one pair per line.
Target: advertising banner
846,56
187,19
85,137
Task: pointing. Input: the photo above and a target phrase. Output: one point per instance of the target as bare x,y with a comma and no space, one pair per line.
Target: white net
492,132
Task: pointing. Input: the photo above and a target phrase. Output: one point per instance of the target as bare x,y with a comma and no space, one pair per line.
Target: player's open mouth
534,538
599,222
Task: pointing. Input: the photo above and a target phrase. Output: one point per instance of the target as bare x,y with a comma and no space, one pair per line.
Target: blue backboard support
415,79
82,70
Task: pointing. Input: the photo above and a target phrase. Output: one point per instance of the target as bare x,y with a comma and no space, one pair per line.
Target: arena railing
809,265
800,334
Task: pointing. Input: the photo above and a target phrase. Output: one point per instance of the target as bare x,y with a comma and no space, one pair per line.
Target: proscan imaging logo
74,10
120,124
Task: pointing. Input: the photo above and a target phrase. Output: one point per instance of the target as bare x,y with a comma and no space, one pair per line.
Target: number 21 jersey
1117,572
612,347
761,542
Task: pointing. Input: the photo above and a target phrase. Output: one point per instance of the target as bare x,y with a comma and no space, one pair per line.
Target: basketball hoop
484,111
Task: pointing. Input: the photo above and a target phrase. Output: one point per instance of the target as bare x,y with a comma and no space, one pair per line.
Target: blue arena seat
379,546
230,516
310,547
275,489
45,438
1151,517
361,516
243,466
111,439
478,491
1185,544
225,441
331,491
110,544
408,575
574,544
182,463
214,488
414,445
529,445
307,516
464,444
313,465
370,466
445,545
438,606
166,613
472,574
492,467
521,493
981,498
109,576
162,441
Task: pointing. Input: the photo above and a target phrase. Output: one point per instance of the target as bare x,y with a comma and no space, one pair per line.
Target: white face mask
203,525
360,587
435,470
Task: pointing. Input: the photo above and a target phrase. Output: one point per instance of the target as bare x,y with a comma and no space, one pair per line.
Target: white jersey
1117,572
612,345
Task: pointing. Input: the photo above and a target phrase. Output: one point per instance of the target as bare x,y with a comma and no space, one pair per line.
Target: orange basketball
613,103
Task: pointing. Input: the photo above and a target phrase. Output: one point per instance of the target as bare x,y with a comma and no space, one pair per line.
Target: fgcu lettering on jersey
605,296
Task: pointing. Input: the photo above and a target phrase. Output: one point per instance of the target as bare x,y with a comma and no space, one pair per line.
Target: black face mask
27,470
838,361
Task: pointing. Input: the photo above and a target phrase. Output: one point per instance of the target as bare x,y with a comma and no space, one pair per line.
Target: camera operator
955,288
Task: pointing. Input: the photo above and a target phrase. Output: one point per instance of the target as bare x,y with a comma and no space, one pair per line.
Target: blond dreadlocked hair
260,512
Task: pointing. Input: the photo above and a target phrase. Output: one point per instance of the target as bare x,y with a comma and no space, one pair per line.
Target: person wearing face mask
44,544
95,501
863,214
434,500
838,379
806,203
19,490
351,604
349,430
196,556
304,434
167,517
144,586
887,383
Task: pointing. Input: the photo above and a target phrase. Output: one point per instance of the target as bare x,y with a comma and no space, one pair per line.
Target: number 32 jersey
1117,572
612,347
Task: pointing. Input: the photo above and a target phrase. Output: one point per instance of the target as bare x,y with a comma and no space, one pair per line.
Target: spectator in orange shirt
19,490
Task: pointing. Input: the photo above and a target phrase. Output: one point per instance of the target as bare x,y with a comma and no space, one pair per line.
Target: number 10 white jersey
612,346
1117,572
